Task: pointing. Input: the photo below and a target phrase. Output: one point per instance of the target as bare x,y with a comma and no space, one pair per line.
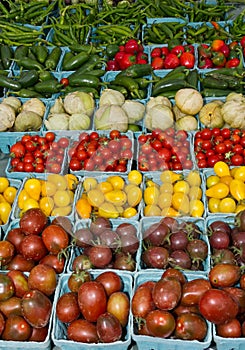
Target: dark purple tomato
82,331
218,306
36,308
219,225
129,244
64,222
43,277
160,323
156,257
55,261
15,236
98,225
100,256
174,273
166,293
16,329
240,220
142,302
223,256
180,258
20,281
192,230
75,280
156,234
110,239
7,251
197,249
109,328
67,308
219,240
81,262
178,240
33,221
11,306
182,309
55,238
126,228
193,290
6,287
124,262
19,262
111,281
33,248
92,300
190,326
230,329
2,323
83,237
238,239
224,275
171,222
39,334
239,295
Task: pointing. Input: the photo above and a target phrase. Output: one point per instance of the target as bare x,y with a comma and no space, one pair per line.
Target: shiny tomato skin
19,262
7,251
36,308
224,275
142,302
39,334
43,277
239,295
67,308
16,329
193,290
54,261
111,281
190,326
92,300
166,293
20,281
160,323
109,328
55,238
33,221
32,247
6,287
231,329
10,306
2,323
82,331
218,306
118,304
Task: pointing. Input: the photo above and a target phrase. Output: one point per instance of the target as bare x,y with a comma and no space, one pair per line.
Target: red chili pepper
242,41
233,45
178,50
205,62
171,61
217,44
204,51
187,59
189,48
119,56
218,59
234,62
131,46
225,50
156,52
215,25
157,63
112,65
141,56
127,60
165,51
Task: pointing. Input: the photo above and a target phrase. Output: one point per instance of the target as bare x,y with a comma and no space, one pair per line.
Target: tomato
160,323
20,282
33,221
218,306
82,331
67,309
50,136
142,138
32,247
166,293
7,287
64,81
190,326
111,281
118,305
109,328
231,329
92,300
43,278
193,291
224,275
16,329
55,238
17,150
206,134
237,160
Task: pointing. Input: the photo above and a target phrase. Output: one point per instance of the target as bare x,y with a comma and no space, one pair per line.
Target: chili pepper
178,50
6,54
218,59
131,46
127,60
242,41
171,61
233,62
157,63
204,51
26,93
187,59
112,65
9,83
205,62
225,50
217,44
28,78
53,58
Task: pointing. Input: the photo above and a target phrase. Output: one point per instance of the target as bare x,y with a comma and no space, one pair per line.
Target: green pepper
218,59
172,43
111,50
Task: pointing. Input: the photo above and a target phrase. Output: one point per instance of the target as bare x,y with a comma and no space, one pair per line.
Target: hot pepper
218,59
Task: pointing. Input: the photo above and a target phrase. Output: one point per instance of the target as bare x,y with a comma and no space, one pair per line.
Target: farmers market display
122,202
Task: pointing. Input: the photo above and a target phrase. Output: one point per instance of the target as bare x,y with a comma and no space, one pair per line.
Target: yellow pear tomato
48,189
135,177
83,208
164,200
116,181
169,212
134,196
5,209
212,180
22,197
152,210
129,212
213,205
167,187
219,191
61,211
221,168
46,204
2,199
30,203
181,203
239,208
237,189
181,186
116,197
151,195
194,178
195,192
108,210
96,198
59,180
196,208
227,205
10,194
89,183
104,186
226,179
33,188
72,181
240,173
170,176
62,198
4,183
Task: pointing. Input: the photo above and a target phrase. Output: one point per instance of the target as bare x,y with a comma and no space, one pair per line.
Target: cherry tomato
65,81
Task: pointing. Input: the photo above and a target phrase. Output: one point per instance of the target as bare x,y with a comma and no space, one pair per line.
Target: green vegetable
53,58
28,78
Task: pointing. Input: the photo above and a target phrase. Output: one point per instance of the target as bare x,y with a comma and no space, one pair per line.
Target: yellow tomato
2,199
233,171
195,192
193,178
134,196
213,205
90,183
135,177
128,188
108,210
116,197
181,186
219,191
83,208
72,181
10,194
61,211
5,209
62,198
239,208
59,180
164,200
167,187
22,197
152,210
4,183
30,203
170,176
237,190
48,189
105,186
227,205
151,183
169,212
129,212
180,202
240,173
212,180
196,208
95,198
116,181
46,204
221,169
151,195
226,179
33,188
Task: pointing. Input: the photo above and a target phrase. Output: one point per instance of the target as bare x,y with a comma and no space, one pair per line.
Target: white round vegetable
189,101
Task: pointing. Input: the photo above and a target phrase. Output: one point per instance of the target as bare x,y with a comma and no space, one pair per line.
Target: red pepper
142,61
187,59
121,48
234,62
156,52
218,59
242,41
112,65
178,50
141,56
157,63
131,46
217,44
233,45
127,60
205,62
171,61
140,48
119,56
189,48
165,51
225,50
215,25
204,51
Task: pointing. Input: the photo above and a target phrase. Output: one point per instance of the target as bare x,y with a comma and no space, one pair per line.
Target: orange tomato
83,208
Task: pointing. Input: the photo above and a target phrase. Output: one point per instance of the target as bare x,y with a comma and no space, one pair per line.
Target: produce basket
147,342
76,251
146,222
59,335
